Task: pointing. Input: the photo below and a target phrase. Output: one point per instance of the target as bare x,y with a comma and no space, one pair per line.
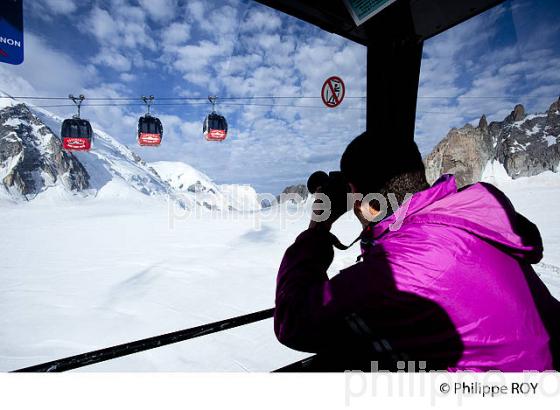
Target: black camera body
333,182
334,185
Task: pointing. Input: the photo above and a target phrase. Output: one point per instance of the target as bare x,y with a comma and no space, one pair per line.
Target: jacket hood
480,209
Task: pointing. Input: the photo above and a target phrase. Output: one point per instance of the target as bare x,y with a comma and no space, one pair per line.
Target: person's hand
325,214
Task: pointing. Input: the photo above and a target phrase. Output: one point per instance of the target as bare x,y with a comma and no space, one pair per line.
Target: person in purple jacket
444,282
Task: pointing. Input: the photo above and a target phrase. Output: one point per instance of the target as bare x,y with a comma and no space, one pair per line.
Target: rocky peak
463,152
31,157
553,115
517,114
294,193
483,123
554,107
525,145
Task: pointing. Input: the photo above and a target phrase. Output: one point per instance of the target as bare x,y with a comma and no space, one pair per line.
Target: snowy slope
194,184
98,273
536,198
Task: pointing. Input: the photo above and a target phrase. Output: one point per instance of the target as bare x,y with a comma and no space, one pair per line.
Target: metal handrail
113,352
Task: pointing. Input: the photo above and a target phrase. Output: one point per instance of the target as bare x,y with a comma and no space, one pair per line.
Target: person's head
376,165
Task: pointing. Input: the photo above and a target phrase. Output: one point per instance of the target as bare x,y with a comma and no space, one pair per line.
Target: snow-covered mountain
32,159
525,145
199,187
294,193
33,165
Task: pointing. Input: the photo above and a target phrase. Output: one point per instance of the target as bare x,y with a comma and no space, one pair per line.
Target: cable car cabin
215,127
150,131
76,135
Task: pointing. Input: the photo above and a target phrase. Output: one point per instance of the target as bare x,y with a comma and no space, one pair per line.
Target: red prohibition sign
333,91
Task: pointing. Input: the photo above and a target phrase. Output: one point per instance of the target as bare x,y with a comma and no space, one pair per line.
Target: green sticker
362,10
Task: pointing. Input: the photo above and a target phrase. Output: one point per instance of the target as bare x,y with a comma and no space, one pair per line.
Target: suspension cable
179,98
259,97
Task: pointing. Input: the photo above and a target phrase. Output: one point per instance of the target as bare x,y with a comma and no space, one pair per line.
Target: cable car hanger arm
148,101
78,101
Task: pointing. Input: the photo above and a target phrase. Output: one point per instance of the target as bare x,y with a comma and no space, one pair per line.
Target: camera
334,185
333,182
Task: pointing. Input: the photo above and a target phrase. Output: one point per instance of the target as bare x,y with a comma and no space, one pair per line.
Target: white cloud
127,77
61,6
114,60
259,20
175,33
122,33
102,25
49,9
121,26
195,10
160,10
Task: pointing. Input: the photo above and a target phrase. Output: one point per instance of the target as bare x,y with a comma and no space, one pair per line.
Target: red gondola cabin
76,134
150,131
215,127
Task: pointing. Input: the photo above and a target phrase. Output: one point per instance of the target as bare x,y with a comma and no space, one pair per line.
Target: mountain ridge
526,145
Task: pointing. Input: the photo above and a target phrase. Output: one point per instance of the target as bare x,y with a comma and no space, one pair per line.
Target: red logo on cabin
216,135
149,139
3,53
76,144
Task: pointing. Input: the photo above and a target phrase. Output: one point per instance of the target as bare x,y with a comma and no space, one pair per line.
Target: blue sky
170,48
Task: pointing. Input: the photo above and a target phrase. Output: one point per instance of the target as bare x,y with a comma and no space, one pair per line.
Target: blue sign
11,31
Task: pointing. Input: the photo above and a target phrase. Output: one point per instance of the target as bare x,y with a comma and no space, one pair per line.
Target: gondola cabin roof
76,128
150,122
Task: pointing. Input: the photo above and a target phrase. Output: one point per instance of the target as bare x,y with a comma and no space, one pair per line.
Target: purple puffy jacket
453,286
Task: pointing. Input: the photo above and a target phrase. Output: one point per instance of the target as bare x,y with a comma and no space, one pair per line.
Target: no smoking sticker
333,92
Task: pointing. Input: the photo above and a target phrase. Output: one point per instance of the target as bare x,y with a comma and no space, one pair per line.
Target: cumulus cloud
160,10
133,30
261,20
115,60
175,34
102,25
122,33
48,9
127,77
61,6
